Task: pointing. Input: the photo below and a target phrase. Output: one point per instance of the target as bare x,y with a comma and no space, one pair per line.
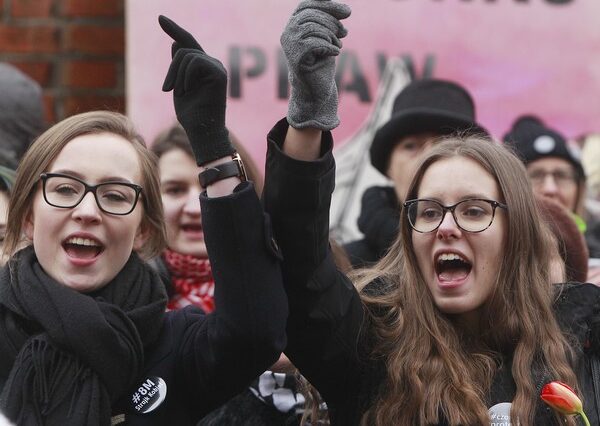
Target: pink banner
514,56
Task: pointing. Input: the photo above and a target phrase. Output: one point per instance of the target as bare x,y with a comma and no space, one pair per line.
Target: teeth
450,256
82,241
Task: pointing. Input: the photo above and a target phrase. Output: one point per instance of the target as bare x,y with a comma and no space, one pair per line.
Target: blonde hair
434,367
48,146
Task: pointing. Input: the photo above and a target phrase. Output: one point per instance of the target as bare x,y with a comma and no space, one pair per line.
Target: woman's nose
448,228
87,210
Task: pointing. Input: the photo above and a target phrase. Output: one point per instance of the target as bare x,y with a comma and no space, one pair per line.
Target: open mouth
82,248
452,267
192,228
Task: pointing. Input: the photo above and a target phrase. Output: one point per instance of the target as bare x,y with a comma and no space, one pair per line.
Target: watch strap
223,171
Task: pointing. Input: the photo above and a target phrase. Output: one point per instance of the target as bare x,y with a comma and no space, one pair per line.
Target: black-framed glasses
471,215
66,192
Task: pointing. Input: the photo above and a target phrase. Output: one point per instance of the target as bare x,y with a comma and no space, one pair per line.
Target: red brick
37,39
31,8
49,109
96,8
95,39
39,71
77,104
90,74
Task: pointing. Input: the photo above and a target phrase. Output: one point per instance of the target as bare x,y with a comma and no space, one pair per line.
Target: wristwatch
235,167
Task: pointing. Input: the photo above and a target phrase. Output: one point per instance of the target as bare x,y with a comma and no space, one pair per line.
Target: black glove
199,84
379,218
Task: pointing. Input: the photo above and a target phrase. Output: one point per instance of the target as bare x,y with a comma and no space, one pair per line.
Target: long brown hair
434,367
48,146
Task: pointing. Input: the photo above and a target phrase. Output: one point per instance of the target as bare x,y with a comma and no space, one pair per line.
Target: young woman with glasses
84,336
459,323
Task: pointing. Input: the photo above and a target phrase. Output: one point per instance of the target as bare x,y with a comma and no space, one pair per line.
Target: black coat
207,359
378,221
327,332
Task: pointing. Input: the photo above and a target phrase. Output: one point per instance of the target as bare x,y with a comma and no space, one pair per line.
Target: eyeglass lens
111,197
470,215
561,177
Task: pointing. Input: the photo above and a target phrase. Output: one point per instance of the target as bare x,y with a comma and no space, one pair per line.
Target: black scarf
68,356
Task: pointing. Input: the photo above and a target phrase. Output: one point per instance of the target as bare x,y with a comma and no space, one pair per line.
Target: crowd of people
173,285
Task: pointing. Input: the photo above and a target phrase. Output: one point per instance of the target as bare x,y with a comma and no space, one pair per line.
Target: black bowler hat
531,139
423,106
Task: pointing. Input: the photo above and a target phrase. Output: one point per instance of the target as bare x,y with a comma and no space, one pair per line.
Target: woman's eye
430,214
175,190
114,196
65,189
474,212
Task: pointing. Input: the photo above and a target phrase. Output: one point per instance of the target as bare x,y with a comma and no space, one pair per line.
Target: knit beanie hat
21,113
531,140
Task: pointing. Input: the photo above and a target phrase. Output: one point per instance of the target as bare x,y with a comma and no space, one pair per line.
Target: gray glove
310,41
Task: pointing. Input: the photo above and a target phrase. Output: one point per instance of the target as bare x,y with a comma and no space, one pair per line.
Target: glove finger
311,29
174,48
337,10
180,35
332,24
319,53
203,70
182,75
171,76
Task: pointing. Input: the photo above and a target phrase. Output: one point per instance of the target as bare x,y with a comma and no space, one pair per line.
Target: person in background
422,112
21,113
184,265
459,323
590,160
553,169
572,250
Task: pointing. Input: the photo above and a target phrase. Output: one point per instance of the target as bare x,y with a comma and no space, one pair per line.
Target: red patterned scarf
192,279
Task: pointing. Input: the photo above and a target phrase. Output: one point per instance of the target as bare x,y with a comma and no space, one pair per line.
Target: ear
28,226
141,237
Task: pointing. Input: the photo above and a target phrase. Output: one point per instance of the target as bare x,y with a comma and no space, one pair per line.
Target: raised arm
224,351
325,311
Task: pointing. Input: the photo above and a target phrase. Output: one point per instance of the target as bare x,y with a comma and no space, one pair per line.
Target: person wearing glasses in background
458,323
84,337
553,170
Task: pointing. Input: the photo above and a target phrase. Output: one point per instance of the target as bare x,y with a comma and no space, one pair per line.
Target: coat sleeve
223,352
325,310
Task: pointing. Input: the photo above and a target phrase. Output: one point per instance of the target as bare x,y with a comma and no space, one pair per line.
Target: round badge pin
149,395
500,414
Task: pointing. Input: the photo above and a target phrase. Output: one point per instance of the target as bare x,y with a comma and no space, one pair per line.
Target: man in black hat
422,111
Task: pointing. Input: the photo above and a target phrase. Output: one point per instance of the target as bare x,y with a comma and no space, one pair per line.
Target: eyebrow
464,197
82,177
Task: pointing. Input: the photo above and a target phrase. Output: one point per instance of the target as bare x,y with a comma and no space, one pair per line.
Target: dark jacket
592,237
327,332
378,221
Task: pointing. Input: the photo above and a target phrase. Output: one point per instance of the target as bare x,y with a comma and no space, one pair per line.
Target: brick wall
73,48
